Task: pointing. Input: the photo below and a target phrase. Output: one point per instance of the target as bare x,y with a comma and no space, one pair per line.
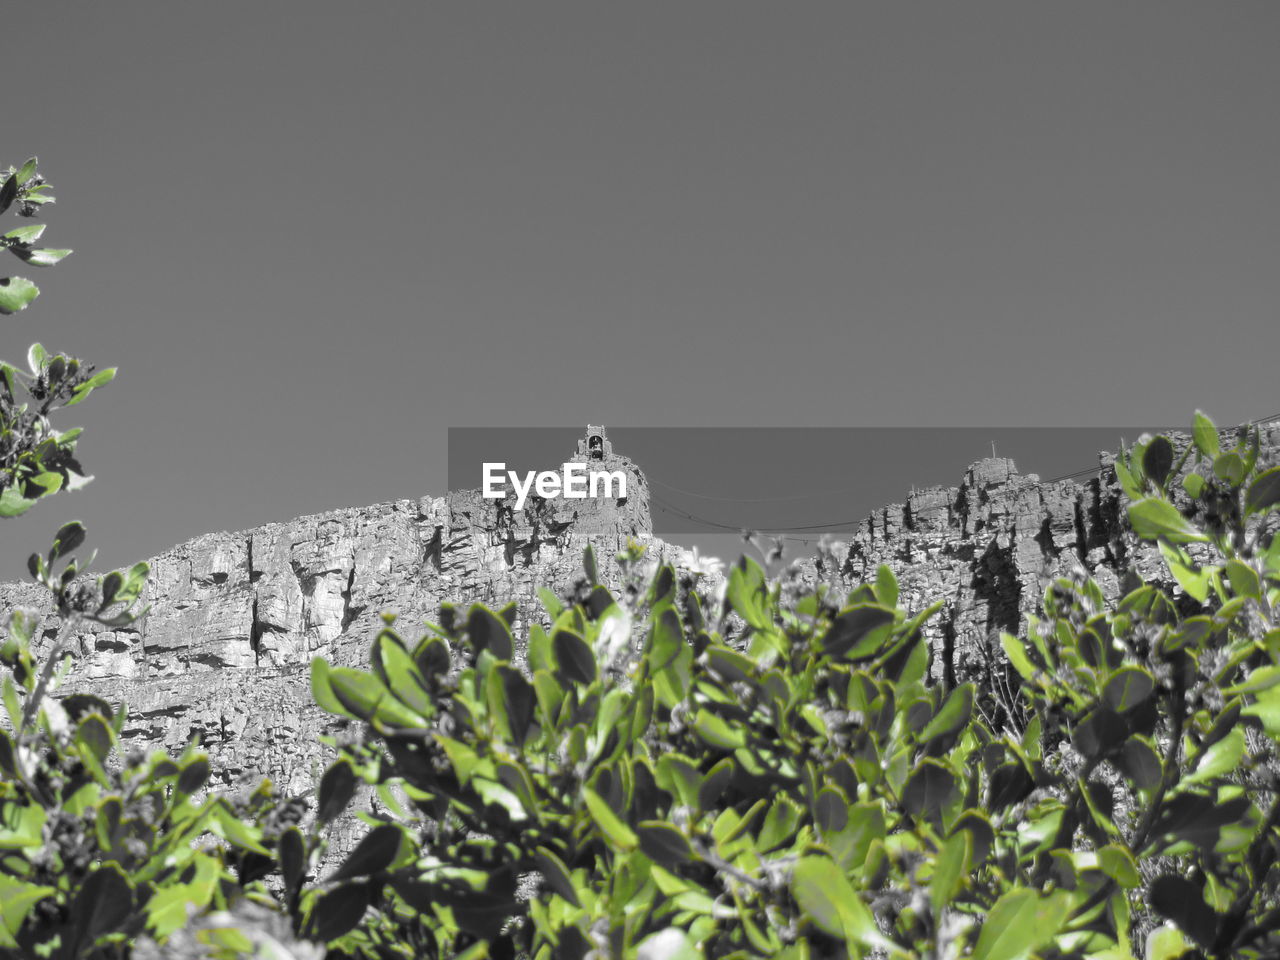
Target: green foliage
774,774
29,190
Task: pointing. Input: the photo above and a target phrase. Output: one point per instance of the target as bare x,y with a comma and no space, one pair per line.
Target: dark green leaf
96,735
432,658
337,787
519,703
556,874
194,775
375,852
930,789
1157,460
1127,688
103,904
574,657
1139,763
337,912
1181,901
488,631
293,857
1102,731
663,844
8,192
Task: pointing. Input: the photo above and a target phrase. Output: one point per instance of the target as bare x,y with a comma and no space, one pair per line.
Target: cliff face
236,618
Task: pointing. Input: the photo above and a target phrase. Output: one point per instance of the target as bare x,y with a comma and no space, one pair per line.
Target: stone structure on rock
236,618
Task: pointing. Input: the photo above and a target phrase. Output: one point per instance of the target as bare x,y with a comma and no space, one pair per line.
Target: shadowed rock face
236,618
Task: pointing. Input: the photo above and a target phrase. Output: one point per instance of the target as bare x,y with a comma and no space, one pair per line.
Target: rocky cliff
236,618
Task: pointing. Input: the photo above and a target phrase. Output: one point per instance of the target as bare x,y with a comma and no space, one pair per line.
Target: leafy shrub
674,771
779,778
95,852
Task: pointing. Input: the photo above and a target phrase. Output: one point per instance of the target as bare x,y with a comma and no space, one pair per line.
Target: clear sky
314,236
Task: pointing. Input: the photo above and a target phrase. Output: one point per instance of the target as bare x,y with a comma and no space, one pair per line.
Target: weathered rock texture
236,618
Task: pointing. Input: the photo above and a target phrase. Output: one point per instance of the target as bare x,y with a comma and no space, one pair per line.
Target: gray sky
314,236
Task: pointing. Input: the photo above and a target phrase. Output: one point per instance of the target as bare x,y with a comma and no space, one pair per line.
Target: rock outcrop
236,618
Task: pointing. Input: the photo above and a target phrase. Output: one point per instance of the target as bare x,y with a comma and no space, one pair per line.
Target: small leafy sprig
30,191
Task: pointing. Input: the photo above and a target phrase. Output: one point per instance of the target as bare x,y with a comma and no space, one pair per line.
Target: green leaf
29,234
1020,923
746,591
1166,942
17,897
826,897
374,853
1118,864
1230,468
716,732
321,692
27,170
1153,518
1193,484
16,293
100,379
1205,434
1244,580
1222,758
886,586
1194,580
400,673
1263,678
43,257
1264,492
951,719
618,833
858,632
949,870
1127,688
1017,654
